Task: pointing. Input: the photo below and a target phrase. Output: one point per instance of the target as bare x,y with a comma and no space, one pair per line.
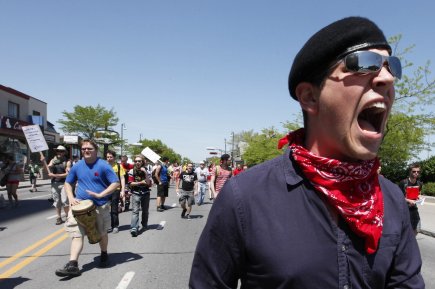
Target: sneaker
163,207
51,200
188,217
115,230
104,260
133,233
159,209
59,221
183,213
68,271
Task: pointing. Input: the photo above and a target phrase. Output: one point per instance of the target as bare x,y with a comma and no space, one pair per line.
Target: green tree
262,146
428,170
87,120
411,120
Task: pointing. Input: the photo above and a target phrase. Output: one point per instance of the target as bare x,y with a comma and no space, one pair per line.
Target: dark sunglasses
370,62
87,149
137,161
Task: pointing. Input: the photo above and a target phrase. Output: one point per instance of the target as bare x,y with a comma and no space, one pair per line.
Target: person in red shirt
238,170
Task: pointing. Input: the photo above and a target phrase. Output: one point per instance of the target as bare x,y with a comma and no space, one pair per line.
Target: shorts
186,197
76,230
59,195
162,190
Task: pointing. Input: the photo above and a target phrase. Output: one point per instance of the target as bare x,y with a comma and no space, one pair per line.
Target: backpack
153,176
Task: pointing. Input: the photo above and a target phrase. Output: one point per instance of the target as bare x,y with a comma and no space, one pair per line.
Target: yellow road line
30,248
30,259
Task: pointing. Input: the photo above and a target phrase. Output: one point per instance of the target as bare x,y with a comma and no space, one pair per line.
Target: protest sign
150,154
35,138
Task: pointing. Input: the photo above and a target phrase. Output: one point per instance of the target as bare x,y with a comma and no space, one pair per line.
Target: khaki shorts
103,222
58,194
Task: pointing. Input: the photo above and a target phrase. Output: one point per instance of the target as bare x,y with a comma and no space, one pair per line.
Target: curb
427,233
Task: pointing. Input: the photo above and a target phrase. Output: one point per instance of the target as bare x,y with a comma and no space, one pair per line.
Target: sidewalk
427,211
26,184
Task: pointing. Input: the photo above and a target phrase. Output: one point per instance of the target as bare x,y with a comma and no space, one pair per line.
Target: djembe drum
86,216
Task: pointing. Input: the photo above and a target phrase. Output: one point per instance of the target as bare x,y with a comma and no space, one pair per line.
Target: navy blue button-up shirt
270,229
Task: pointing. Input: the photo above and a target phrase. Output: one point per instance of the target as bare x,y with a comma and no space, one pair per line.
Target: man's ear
308,97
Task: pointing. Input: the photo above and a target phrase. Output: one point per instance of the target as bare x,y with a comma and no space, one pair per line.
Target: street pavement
427,210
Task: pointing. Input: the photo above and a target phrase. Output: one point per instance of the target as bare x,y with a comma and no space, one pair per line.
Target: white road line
161,225
123,284
55,216
37,197
174,205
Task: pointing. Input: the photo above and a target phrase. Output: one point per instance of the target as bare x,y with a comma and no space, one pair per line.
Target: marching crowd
114,187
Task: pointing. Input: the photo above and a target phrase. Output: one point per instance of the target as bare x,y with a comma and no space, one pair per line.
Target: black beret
331,43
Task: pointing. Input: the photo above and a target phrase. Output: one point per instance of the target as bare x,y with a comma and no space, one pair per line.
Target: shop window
13,110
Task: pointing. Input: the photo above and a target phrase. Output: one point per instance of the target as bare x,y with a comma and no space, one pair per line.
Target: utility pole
122,137
232,151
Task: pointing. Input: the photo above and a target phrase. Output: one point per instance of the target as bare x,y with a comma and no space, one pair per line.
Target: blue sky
186,72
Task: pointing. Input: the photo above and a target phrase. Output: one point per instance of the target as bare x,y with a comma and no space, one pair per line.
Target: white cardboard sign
150,154
35,138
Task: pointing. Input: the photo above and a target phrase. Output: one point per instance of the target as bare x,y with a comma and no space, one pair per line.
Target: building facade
17,110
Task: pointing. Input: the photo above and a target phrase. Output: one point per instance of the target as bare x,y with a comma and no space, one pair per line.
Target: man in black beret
320,216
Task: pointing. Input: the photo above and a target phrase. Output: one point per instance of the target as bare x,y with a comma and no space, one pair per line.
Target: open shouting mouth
372,118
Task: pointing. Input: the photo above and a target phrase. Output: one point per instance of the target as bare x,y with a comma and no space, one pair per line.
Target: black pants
114,208
415,217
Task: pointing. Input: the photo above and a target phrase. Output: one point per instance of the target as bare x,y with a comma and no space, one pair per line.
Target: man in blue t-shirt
161,175
96,181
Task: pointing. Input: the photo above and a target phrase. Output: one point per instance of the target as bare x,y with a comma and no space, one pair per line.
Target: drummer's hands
74,202
95,195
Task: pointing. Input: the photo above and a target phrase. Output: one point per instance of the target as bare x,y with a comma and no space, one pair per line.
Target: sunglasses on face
415,172
371,62
137,161
87,149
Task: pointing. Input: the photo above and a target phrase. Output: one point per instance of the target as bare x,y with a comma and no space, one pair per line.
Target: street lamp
122,136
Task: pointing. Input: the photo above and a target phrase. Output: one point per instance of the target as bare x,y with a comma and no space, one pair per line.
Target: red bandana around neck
351,188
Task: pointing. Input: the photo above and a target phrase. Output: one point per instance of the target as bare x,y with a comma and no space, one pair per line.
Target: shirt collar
292,177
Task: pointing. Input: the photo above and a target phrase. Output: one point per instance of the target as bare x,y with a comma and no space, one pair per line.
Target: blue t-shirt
94,177
164,174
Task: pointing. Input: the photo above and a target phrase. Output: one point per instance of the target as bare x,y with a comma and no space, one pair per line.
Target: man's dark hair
165,159
414,166
225,157
113,153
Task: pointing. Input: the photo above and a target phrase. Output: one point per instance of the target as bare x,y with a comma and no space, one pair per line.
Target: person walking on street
57,170
139,181
323,197
189,184
221,175
96,181
13,171
126,199
238,170
161,175
201,175
34,174
118,193
211,169
411,188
